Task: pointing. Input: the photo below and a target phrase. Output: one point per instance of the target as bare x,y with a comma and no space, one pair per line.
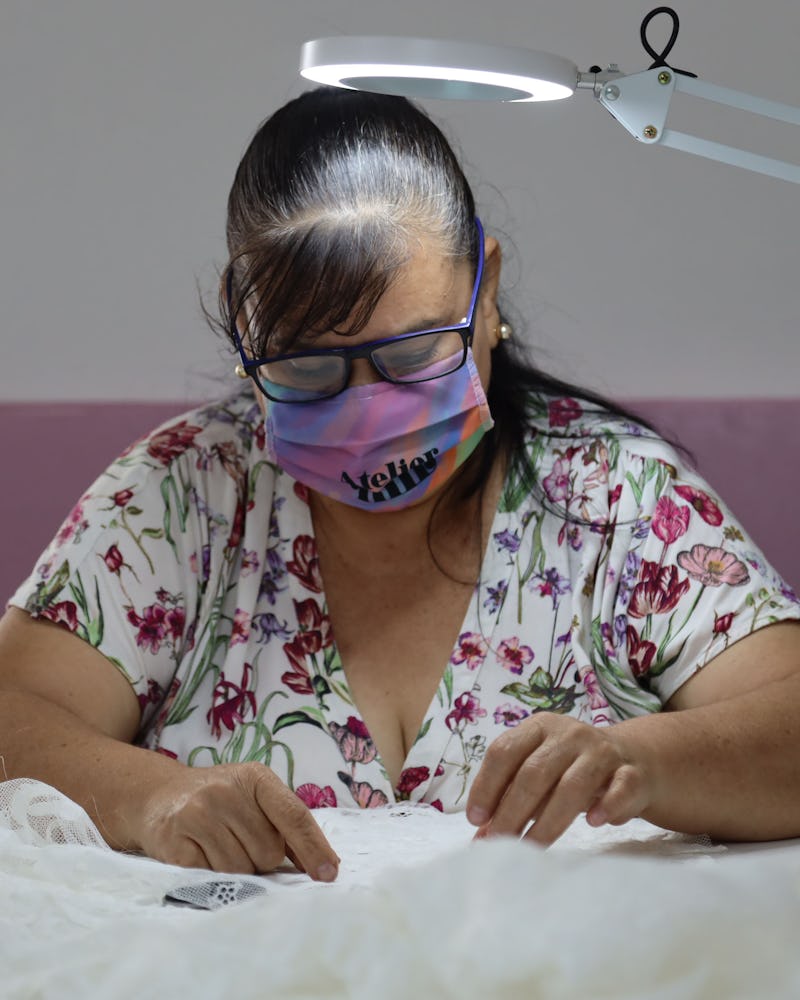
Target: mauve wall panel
749,450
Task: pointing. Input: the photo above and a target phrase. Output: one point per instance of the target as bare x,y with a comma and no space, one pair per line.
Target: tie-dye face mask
382,446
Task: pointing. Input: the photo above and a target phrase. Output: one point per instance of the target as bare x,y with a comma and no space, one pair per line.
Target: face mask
382,446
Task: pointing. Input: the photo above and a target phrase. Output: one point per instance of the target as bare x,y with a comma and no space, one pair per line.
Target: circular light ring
428,68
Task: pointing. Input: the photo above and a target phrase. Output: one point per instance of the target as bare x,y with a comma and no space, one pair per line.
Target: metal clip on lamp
433,68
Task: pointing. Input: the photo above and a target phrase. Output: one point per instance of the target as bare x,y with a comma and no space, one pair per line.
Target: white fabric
417,912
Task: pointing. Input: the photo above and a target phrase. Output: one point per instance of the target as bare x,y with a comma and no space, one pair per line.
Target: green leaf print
426,725
293,718
624,695
542,694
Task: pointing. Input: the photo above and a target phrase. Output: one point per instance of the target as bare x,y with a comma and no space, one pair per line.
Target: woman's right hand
230,818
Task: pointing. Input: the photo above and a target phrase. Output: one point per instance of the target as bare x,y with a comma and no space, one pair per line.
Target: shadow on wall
748,450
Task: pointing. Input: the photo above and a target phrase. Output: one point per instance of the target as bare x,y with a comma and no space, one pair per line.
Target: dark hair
325,205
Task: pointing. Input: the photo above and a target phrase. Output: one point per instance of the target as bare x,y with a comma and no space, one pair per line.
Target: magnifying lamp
426,68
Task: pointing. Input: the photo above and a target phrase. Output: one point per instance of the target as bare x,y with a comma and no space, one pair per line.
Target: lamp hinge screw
664,78
611,92
649,131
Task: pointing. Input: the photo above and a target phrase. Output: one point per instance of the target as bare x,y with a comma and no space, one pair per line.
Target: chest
395,638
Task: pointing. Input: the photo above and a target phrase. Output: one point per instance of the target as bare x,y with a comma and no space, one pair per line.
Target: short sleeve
691,581
125,572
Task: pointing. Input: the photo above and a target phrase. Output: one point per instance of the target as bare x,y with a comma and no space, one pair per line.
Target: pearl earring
504,331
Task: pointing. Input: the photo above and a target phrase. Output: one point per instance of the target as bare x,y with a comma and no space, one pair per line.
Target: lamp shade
428,68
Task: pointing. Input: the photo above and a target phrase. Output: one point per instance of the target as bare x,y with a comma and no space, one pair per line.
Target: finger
264,845
534,781
625,798
292,818
576,792
503,760
186,853
224,851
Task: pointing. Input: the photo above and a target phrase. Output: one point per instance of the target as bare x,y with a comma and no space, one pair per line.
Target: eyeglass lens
315,376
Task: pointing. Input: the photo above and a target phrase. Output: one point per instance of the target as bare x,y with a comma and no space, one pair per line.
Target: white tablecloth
418,911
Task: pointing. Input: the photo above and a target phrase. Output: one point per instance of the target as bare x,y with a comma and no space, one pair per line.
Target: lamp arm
640,103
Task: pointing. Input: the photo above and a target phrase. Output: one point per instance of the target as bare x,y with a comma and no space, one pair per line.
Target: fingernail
596,817
326,873
477,816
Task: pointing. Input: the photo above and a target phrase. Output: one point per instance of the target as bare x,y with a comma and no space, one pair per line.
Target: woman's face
430,291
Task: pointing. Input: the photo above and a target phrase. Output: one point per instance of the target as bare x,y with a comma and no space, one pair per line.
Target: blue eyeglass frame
250,366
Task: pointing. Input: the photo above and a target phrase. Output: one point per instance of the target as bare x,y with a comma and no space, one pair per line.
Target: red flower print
722,623
121,497
298,679
439,770
175,620
113,559
237,528
713,566
230,702
65,614
316,797
154,694
658,590
640,652
512,656
437,804
315,628
354,741
669,520
472,650
152,626
702,503
305,564
562,412
171,442
411,778
366,797
466,709
166,753
301,492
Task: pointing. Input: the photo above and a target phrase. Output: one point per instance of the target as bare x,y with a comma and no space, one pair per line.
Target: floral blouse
191,565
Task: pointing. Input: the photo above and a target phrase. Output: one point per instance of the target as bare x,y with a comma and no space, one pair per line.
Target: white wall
643,271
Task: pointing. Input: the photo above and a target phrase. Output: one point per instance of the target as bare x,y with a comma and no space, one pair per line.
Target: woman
399,563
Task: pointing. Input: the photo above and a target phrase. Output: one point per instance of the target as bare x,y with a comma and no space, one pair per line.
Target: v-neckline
457,680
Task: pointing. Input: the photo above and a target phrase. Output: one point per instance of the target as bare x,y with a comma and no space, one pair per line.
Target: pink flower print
65,614
316,797
558,484
713,566
466,710
175,620
561,412
73,525
472,650
592,686
640,652
305,564
512,656
240,632
354,741
658,591
702,503
230,702
669,520
411,778
510,715
365,796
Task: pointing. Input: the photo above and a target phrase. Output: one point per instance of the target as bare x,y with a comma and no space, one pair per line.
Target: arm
67,718
724,760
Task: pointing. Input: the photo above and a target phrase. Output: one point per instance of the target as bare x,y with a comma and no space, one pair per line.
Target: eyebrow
303,343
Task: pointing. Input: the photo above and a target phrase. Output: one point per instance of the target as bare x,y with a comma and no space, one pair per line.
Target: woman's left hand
549,769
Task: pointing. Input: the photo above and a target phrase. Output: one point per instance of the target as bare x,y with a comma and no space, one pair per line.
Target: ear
487,303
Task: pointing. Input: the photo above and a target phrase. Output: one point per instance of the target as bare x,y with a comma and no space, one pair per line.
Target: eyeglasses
308,376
